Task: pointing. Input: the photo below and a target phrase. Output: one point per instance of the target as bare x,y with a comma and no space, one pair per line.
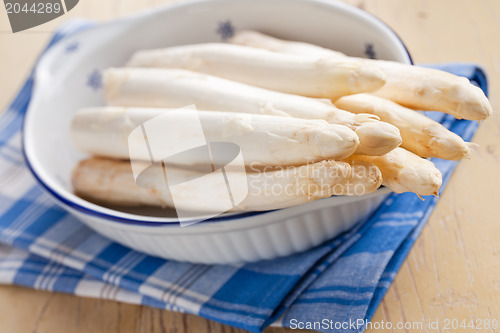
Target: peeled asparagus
421,135
258,40
403,171
324,78
112,182
430,89
264,140
411,86
173,88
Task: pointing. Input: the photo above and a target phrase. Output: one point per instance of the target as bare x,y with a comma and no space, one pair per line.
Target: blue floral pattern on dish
72,48
225,30
94,80
369,51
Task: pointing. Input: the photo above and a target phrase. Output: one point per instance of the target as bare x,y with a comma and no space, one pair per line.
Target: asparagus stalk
173,88
264,140
111,181
259,40
403,171
430,89
324,78
421,135
415,87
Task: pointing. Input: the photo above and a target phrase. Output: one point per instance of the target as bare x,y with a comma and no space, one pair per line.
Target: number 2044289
475,324
35,8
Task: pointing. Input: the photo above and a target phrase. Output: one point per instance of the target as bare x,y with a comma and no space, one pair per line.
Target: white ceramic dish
68,78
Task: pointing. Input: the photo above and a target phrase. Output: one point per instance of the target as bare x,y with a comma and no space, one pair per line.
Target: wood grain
452,272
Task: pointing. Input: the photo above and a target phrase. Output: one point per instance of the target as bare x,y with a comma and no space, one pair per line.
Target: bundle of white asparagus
309,123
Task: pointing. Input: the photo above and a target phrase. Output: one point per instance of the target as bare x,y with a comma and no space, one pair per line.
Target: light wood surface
452,272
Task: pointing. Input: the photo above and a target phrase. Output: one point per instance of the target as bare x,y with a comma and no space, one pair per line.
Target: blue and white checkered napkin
44,247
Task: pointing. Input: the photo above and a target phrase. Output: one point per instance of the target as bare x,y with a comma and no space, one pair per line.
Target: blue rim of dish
130,221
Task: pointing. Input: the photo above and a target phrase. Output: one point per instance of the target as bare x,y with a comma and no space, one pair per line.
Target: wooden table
452,272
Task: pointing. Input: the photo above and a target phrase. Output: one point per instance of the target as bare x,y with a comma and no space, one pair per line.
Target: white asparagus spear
403,171
111,181
434,90
415,87
259,40
173,88
324,78
421,135
266,140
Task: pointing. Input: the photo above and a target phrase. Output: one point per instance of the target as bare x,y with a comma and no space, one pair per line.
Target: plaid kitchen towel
343,280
